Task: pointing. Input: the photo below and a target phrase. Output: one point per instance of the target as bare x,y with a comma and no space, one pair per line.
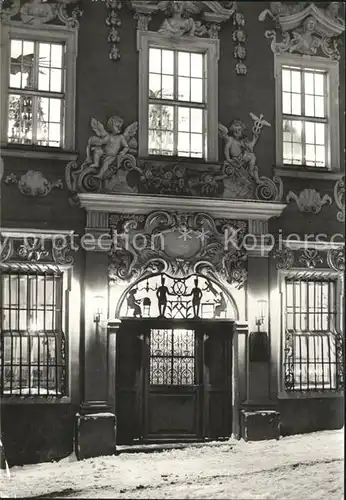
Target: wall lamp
98,308
261,313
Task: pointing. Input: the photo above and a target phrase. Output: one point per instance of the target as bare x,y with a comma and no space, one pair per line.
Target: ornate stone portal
305,29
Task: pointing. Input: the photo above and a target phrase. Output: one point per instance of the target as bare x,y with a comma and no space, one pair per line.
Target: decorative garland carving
284,257
305,29
36,12
311,258
33,183
339,197
36,249
239,39
113,22
309,200
177,244
112,166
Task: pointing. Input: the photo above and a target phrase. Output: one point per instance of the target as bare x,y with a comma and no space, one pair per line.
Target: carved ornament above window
37,12
305,29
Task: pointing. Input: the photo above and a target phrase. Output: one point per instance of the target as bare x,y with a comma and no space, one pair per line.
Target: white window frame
45,33
332,105
210,47
299,273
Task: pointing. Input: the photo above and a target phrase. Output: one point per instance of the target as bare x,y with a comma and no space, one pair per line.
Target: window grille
36,93
177,103
304,116
313,346
32,340
172,357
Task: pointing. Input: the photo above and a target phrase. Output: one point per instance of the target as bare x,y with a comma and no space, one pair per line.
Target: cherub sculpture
238,146
110,145
180,21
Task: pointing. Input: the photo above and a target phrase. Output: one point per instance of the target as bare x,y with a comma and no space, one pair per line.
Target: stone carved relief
178,245
32,249
113,22
305,29
36,12
311,258
111,166
240,159
239,38
339,197
33,183
309,200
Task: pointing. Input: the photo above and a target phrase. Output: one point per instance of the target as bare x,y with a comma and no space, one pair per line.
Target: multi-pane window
177,103
312,343
36,94
304,116
32,340
172,357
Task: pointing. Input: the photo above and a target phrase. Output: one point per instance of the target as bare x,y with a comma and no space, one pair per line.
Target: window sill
311,395
35,400
307,173
38,153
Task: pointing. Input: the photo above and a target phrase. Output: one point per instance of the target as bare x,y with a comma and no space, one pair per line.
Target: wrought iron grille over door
172,357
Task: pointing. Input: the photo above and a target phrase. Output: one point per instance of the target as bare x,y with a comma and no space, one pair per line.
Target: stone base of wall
259,425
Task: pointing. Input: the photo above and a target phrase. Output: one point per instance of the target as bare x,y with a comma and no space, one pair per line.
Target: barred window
32,340
313,347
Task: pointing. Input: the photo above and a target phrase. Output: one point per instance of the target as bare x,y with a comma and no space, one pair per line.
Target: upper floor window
38,71
307,112
178,96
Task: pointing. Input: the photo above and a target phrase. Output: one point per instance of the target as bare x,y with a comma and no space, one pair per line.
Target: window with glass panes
177,103
311,337
32,340
304,116
36,93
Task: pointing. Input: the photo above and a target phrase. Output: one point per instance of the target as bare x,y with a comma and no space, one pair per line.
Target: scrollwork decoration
336,259
284,257
311,258
309,200
33,183
339,197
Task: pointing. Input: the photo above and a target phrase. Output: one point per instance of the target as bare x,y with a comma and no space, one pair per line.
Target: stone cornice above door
144,204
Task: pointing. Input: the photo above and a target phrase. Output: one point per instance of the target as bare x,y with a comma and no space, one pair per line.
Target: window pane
160,117
197,120
55,80
43,79
286,80
296,104
167,142
297,131
287,152
286,103
310,132
155,60
155,91
196,143
167,87
56,55
197,65
196,90
183,64
184,119
167,62
320,133
183,89
295,81
309,105
20,119
183,143
320,156
44,54
319,84
297,153
310,153
319,106
287,130
309,83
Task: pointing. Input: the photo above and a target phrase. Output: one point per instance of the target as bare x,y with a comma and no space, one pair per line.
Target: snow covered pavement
308,466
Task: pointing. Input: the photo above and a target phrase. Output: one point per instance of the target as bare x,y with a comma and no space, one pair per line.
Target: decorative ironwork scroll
165,297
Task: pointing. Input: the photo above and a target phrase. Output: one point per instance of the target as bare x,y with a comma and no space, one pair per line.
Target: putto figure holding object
238,147
110,145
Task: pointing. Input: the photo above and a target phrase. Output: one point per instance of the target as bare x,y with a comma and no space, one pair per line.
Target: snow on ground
307,466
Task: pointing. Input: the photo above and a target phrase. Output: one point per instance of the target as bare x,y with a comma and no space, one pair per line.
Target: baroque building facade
172,222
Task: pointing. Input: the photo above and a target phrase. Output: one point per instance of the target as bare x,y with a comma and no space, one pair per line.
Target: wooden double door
173,380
